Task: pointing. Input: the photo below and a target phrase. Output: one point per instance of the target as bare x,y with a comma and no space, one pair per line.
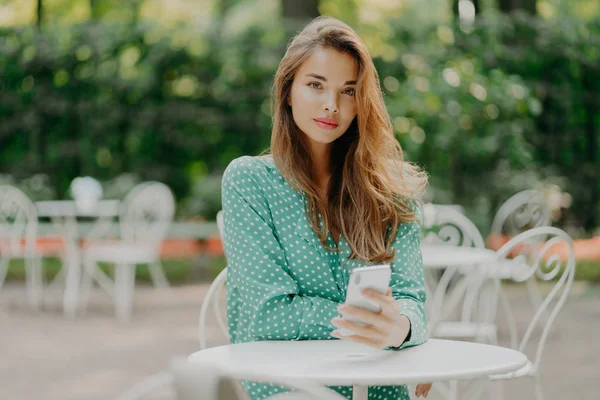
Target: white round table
63,214
343,363
441,256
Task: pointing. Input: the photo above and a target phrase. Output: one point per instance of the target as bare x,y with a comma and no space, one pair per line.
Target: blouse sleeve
257,264
408,282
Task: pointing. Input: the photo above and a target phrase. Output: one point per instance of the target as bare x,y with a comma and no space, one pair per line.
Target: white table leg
360,392
453,390
73,269
475,389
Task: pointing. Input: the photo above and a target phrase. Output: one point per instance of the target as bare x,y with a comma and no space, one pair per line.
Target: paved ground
45,356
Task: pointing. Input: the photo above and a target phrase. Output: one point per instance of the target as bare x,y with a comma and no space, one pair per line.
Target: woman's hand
386,328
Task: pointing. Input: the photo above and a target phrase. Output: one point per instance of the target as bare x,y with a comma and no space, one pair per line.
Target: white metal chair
543,251
524,210
213,298
447,319
18,235
454,228
145,217
220,222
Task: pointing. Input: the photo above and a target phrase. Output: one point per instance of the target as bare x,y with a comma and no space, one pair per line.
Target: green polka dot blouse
283,284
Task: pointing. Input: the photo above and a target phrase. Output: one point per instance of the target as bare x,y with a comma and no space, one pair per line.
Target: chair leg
442,388
124,287
510,320
34,282
453,390
539,394
475,389
157,274
4,262
536,299
57,280
72,284
496,390
534,293
86,285
60,278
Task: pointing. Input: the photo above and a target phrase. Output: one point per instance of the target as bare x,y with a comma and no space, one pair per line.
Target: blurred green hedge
507,105
105,99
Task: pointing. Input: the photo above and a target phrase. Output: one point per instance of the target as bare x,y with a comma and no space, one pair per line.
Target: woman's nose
331,104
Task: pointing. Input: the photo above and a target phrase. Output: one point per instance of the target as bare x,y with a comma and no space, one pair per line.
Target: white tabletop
68,208
439,256
338,362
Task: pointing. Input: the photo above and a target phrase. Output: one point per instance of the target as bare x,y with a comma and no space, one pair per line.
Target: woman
333,195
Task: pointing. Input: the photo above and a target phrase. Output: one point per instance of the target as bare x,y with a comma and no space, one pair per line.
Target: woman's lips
325,124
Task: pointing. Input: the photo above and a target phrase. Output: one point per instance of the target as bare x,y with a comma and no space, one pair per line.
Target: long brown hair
372,190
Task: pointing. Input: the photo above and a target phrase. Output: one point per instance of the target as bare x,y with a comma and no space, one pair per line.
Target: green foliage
588,271
509,105
487,115
101,100
560,64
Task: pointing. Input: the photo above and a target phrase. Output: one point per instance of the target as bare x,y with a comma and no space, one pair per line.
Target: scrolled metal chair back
18,221
524,210
546,254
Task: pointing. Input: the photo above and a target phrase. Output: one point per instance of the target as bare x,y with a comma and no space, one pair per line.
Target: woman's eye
314,85
349,91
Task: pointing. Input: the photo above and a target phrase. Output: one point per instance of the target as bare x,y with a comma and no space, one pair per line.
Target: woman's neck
321,159
321,154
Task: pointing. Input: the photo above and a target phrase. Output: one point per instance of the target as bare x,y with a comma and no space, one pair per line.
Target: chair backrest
452,228
213,297
546,254
146,214
524,210
220,223
18,222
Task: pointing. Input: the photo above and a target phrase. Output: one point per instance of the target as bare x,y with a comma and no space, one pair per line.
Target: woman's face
322,95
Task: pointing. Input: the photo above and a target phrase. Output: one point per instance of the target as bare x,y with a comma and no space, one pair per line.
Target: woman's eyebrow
322,78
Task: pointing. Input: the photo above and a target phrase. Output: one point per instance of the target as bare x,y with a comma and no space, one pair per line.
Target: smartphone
376,278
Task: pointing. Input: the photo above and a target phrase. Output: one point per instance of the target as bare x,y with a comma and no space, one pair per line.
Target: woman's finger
363,330
360,339
366,316
380,298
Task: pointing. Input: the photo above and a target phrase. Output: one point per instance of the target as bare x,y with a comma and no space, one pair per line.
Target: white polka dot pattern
283,284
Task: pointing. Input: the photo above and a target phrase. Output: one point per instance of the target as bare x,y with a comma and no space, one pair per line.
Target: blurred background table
64,215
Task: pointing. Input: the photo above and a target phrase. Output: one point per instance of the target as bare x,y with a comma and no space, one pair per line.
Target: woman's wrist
404,327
